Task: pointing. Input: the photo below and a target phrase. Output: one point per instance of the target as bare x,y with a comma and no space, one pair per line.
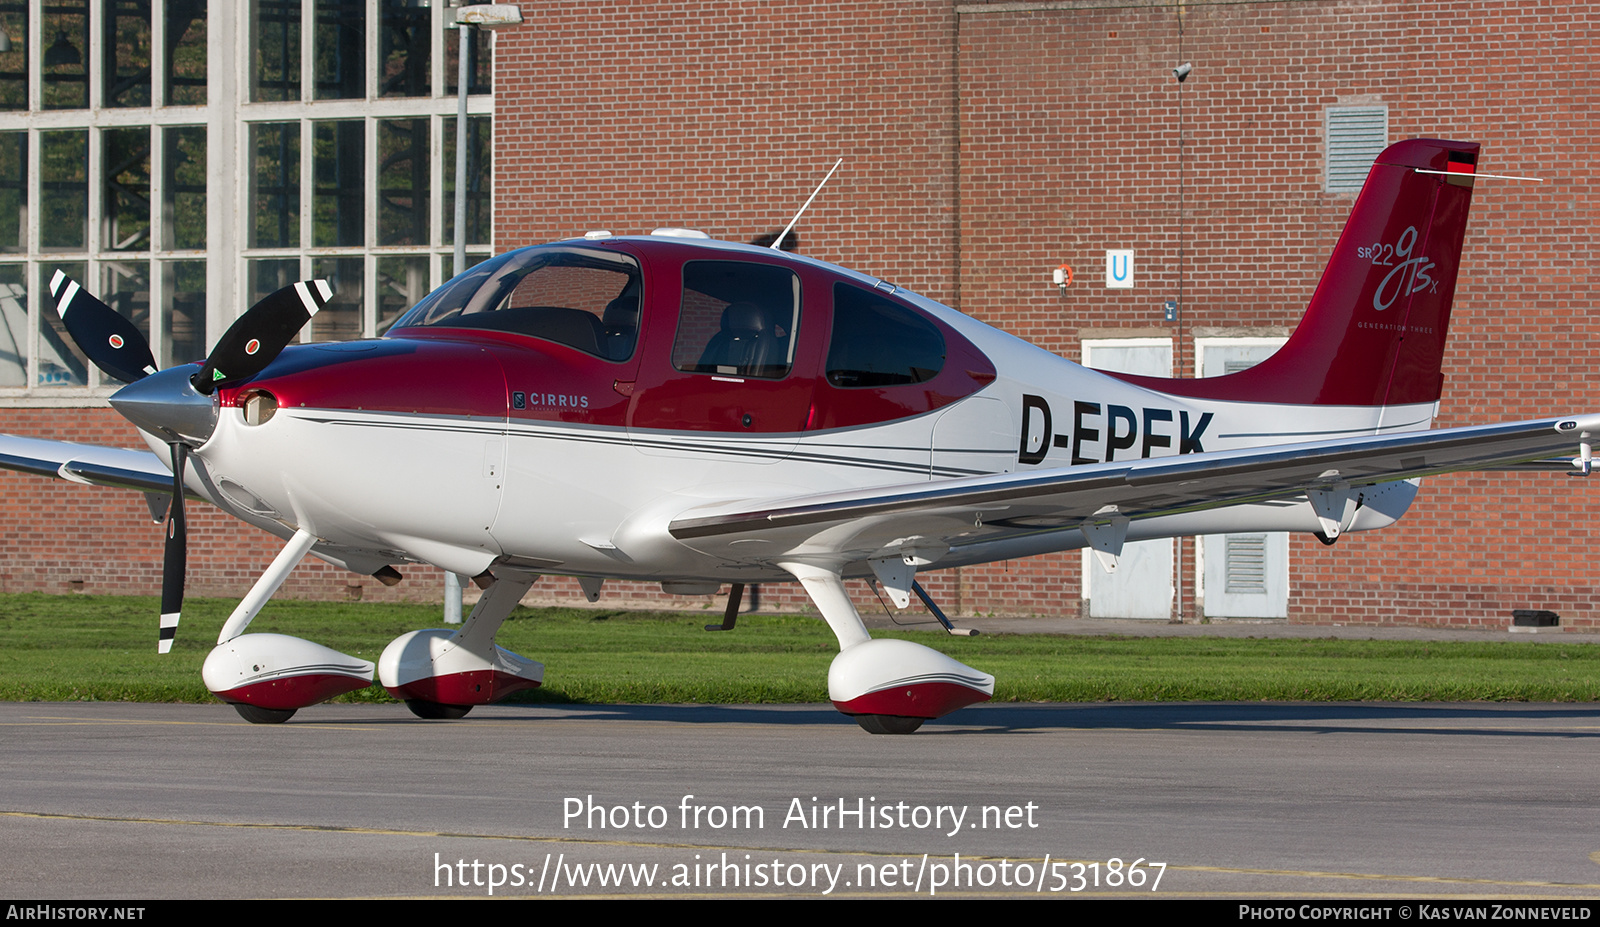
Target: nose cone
166,404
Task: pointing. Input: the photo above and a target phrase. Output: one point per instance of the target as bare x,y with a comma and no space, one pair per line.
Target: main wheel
888,724
434,711
257,715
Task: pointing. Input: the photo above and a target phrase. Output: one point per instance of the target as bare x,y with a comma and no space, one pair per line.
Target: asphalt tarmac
1266,801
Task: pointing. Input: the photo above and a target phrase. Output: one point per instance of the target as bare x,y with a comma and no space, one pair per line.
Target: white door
1242,575
1142,585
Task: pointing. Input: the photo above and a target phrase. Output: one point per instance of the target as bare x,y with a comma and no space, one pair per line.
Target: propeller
261,334
174,555
174,404
107,337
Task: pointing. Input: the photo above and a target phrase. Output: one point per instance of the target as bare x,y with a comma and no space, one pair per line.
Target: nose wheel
435,711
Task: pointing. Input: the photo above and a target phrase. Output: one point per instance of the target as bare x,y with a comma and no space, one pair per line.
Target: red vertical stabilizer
1374,332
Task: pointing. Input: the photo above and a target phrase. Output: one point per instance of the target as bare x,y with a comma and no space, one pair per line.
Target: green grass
67,648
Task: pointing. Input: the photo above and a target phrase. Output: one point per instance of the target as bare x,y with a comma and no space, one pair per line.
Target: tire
434,711
888,724
258,715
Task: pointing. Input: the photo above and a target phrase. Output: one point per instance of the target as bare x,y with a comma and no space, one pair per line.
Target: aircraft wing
123,468
143,470
1103,499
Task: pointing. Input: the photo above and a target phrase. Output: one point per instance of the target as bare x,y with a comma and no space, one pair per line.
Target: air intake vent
1246,564
1356,136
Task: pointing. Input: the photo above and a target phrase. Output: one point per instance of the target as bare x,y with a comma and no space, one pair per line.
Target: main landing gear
257,715
889,724
440,674
434,711
888,686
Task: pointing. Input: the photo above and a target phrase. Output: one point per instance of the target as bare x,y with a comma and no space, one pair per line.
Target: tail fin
1374,332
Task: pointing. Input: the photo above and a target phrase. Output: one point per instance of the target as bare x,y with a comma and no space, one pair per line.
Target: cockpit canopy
584,298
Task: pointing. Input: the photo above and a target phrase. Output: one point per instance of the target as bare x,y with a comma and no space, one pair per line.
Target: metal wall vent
1356,136
1246,569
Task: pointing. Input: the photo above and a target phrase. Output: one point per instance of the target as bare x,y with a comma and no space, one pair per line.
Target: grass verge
102,648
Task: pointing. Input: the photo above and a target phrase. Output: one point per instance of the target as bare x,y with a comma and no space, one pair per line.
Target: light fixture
489,15
62,52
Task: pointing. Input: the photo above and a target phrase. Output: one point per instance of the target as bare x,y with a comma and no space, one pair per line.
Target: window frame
227,116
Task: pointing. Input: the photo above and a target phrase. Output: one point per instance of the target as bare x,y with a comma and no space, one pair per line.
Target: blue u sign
1119,269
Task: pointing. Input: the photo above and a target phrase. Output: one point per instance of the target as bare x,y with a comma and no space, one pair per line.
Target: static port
258,406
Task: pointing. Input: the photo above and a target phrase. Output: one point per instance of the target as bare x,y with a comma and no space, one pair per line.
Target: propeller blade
175,559
104,335
261,334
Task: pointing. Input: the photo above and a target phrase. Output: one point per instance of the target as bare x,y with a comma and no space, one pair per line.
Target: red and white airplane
695,412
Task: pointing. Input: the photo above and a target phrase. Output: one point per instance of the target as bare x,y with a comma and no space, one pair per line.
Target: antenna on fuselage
778,244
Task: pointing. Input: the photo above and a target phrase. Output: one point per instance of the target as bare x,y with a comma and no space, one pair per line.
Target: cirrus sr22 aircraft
695,412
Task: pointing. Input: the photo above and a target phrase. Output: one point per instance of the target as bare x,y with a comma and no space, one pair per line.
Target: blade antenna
776,245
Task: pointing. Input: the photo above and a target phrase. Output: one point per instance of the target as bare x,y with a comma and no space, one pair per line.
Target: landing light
258,407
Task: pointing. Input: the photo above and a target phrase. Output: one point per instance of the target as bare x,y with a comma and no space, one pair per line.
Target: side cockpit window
878,342
585,299
737,319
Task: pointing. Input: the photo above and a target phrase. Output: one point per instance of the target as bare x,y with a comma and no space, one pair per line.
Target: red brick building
987,143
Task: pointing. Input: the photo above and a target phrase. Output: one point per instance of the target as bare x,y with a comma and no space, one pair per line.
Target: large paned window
181,173
65,57
406,50
183,209
104,144
14,19
360,187
64,190
275,50
185,60
13,191
127,53
274,185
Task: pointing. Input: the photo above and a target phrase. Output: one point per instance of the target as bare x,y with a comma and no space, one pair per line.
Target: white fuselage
463,491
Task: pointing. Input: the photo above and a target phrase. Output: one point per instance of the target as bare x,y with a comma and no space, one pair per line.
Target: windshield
584,298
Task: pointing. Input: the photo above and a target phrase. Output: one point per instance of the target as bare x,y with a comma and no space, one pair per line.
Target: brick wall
1070,126
985,145
724,116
